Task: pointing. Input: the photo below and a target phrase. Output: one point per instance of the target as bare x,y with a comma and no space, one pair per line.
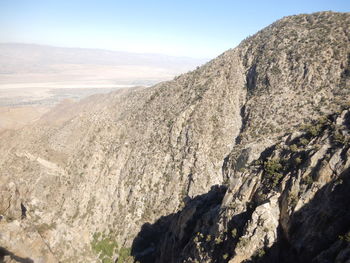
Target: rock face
235,161
289,205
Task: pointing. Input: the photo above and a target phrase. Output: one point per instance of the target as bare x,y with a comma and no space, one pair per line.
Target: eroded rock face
27,244
94,176
281,210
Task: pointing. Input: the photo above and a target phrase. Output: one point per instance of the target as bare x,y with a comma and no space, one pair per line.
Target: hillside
235,161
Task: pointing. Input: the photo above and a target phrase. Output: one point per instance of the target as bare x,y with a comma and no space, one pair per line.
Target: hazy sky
196,28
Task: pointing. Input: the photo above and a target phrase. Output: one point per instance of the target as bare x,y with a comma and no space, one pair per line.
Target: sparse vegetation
313,130
345,237
218,240
234,233
304,141
243,242
293,199
339,138
293,148
104,246
308,180
298,160
273,169
260,253
125,256
275,70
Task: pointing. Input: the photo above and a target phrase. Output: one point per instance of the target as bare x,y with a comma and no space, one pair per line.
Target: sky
192,28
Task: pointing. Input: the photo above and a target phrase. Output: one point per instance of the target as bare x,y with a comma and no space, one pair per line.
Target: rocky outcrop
289,205
88,177
24,243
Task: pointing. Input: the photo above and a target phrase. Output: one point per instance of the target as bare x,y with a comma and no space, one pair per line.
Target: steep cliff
91,181
289,205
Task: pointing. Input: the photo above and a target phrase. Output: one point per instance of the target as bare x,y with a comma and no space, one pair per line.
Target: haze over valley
33,78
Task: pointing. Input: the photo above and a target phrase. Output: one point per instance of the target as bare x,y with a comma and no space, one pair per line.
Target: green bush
314,130
125,256
273,168
234,233
339,138
298,160
345,237
104,246
308,180
293,199
218,240
260,253
293,148
304,141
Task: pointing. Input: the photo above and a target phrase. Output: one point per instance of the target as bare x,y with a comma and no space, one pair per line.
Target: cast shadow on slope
176,229
5,253
314,235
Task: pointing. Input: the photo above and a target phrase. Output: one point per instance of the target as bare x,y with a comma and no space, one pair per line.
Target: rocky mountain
245,159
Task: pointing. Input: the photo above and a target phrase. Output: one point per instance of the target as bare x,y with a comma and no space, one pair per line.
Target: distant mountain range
24,63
